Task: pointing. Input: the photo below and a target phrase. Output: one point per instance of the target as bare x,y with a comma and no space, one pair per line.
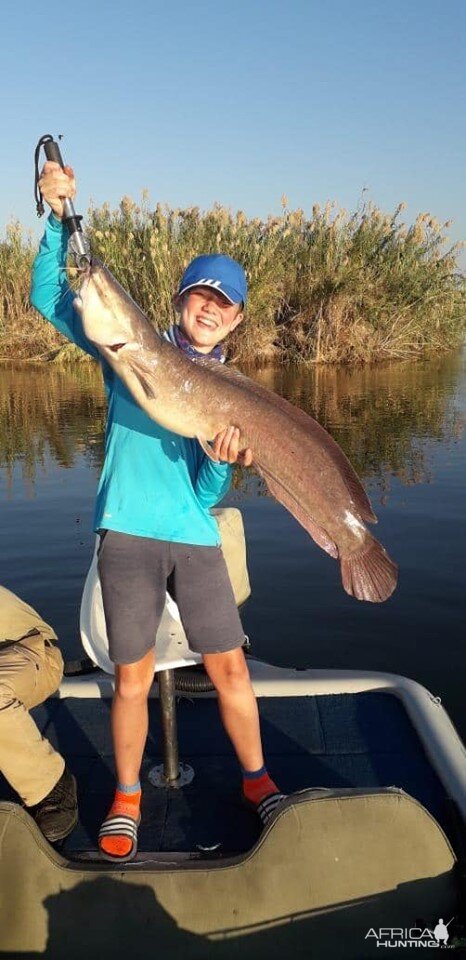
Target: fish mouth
115,347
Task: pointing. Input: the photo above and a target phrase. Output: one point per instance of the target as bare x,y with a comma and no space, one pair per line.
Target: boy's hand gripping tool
78,243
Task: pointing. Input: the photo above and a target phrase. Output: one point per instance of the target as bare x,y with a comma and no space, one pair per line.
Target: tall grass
23,333
330,288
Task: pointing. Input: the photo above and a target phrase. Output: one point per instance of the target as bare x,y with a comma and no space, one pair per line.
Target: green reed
330,288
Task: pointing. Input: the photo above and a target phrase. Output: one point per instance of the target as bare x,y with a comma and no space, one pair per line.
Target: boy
153,517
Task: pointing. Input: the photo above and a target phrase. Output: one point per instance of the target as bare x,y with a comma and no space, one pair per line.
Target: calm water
402,427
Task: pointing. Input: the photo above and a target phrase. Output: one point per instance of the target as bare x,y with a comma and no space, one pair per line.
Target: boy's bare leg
130,719
237,703
118,833
238,710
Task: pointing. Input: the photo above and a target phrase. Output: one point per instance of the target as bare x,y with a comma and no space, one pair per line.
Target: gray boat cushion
330,865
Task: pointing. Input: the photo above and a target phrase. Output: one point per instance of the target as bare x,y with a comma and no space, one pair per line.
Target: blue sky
240,102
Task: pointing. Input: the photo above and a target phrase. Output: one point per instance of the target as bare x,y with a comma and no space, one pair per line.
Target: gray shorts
135,573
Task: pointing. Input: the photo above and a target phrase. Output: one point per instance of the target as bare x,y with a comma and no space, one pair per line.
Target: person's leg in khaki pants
29,672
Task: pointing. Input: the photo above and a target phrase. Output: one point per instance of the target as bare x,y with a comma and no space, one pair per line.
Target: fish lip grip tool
78,242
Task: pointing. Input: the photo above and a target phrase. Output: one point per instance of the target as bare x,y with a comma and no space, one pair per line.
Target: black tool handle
71,219
52,152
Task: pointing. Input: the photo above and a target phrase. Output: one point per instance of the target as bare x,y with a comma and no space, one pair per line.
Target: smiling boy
207,312
153,516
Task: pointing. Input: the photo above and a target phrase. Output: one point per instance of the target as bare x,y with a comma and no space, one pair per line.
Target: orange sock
124,805
257,786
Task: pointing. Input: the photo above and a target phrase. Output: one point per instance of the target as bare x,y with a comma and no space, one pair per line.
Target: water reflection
50,411
380,415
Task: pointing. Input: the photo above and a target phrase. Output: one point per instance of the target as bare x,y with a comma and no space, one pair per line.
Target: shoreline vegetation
330,288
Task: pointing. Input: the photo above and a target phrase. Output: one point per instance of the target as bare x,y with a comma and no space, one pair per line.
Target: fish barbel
302,465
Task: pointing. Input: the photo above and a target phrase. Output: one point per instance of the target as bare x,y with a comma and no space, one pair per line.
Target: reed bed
332,287
23,333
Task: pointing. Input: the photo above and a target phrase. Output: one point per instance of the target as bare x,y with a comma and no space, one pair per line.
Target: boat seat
330,866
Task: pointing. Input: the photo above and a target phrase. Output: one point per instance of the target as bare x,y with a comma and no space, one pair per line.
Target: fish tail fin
369,574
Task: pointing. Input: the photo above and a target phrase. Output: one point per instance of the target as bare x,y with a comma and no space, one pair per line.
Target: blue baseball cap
218,271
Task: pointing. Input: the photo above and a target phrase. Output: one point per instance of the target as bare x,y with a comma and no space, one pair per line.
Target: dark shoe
57,814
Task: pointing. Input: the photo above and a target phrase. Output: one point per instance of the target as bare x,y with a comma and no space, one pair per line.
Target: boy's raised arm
51,294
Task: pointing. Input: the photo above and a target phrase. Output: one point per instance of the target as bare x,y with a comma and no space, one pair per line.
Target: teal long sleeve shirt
154,483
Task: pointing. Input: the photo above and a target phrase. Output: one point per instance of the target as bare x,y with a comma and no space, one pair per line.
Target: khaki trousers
30,671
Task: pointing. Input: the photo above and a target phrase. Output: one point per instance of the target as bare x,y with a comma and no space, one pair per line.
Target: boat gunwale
440,739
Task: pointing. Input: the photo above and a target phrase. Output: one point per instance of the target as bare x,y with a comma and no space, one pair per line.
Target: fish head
110,318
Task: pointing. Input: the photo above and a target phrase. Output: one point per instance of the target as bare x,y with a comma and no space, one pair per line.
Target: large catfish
303,467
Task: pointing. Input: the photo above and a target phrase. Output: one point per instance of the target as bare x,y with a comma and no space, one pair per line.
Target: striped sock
260,790
257,785
126,804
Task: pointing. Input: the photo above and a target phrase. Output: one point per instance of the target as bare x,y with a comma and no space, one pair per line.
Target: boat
366,851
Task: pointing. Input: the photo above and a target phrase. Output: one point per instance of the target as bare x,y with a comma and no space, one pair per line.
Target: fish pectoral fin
208,450
146,386
142,375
